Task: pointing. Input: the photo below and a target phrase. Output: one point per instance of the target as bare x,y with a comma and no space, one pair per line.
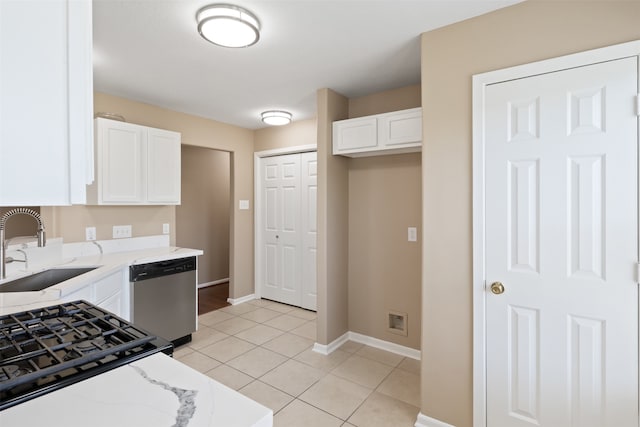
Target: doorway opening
203,220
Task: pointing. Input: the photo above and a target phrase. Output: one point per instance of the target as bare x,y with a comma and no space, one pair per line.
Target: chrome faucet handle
10,259
26,258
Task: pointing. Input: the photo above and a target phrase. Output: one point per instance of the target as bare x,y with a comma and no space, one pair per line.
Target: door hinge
638,104
638,272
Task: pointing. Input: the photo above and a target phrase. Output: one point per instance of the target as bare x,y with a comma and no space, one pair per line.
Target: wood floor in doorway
213,297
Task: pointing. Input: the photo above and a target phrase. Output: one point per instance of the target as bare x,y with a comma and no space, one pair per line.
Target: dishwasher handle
141,272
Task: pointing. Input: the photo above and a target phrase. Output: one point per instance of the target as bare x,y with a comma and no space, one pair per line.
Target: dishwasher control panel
161,268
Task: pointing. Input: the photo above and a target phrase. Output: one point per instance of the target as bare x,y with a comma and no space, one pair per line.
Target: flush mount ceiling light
276,118
228,25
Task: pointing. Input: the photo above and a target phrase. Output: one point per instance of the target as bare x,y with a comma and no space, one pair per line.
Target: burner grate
42,346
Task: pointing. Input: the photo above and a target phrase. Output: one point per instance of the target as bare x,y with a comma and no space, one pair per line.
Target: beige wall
202,220
385,196
303,132
365,265
69,222
530,31
384,268
333,224
386,101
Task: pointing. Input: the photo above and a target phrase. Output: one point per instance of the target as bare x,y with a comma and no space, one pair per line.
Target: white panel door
281,236
309,229
562,238
286,212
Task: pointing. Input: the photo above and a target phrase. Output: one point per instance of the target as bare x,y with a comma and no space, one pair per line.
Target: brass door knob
497,288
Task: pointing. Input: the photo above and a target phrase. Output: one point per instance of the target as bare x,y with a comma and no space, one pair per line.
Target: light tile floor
263,349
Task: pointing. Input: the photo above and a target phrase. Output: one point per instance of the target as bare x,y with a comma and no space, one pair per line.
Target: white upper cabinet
389,133
163,166
46,102
135,165
119,165
355,135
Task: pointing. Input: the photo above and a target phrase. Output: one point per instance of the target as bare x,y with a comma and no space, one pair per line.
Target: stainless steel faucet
40,235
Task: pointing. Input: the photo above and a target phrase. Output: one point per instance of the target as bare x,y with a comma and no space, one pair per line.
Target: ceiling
150,51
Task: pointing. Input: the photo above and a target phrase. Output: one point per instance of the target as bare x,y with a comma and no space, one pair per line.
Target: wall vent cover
397,323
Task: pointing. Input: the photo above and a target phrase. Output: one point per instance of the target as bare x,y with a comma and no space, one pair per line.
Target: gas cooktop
48,348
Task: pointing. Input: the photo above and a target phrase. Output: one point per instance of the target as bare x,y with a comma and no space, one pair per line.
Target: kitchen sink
44,279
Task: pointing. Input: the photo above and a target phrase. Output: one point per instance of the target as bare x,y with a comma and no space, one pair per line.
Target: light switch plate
243,205
412,234
165,228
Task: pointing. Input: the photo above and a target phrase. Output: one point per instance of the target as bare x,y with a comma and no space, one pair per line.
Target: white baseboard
332,346
409,352
424,421
370,341
213,283
240,300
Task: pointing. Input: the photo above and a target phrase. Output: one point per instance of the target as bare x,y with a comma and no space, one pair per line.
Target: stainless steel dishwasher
164,298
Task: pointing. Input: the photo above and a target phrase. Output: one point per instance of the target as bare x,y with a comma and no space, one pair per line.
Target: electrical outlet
165,228
90,233
121,231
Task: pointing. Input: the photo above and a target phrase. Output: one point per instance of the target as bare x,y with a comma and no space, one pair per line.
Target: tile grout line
288,358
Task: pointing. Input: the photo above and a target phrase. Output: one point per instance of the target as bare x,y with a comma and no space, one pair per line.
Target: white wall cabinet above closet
389,133
46,102
135,165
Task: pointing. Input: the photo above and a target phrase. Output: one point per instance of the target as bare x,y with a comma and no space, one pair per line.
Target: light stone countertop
154,391
107,263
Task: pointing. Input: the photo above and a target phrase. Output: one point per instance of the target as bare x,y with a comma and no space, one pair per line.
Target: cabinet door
120,166
163,166
45,101
108,286
354,135
403,128
85,293
112,293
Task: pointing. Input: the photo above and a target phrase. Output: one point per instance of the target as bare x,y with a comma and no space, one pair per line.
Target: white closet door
562,238
309,185
280,212
286,254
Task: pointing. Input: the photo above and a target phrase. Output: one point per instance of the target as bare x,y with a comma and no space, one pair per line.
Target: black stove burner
48,348
85,347
56,323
